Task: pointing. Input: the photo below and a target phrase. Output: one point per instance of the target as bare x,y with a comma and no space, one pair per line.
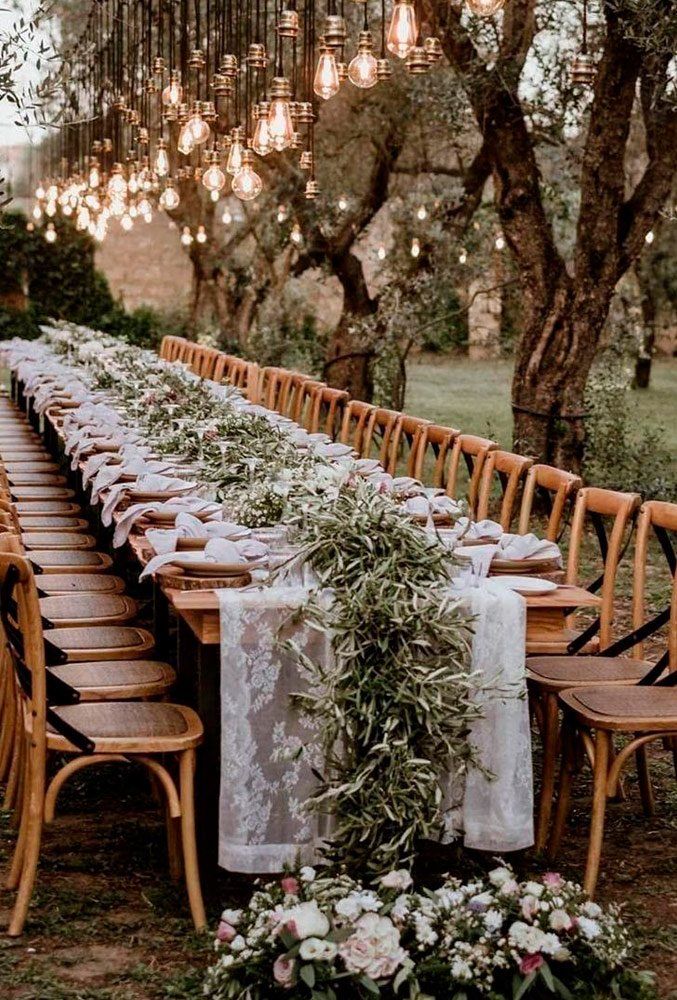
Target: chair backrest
166,347
659,517
473,450
358,418
378,440
204,363
219,372
406,443
302,410
507,471
274,385
557,487
326,409
291,398
244,375
436,449
593,505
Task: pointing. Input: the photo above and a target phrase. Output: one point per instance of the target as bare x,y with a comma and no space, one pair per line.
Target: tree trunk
349,355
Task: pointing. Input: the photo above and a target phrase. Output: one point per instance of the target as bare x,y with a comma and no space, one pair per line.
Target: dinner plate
526,585
499,565
139,496
200,567
170,516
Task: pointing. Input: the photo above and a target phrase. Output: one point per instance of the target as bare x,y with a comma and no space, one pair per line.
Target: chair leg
599,797
174,846
550,737
11,789
567,769
186,770
644,777
14,874
35,791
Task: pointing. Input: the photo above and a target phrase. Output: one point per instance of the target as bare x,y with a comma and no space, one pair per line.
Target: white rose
373,949
591,909
560,920
307,920
313,949
499,876
232,917
307,874
237,944
534,889
397,880
589,928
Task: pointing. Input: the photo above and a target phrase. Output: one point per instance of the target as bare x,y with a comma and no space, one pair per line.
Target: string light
342,203
403,30
650,237
422,213
186,236
499,242
50,233
381,252
201,235
226,218
463,257
415,247
296,236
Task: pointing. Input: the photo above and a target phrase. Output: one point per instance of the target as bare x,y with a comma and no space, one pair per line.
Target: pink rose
530,963
226,931
283,971
553,879
289,884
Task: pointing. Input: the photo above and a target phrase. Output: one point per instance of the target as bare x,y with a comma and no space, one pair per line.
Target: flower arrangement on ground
315,937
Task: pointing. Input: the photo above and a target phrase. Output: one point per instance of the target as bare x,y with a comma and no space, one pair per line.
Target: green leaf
547,976
307,974
520,985
369,985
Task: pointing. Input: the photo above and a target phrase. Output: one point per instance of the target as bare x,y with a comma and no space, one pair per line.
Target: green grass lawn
475,396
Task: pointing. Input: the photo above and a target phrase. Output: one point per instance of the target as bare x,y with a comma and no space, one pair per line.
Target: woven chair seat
31,465
132,726
71,540
626,708
102,642
556,673
55,560
36,479
88,609
52,522
79,583
117,679
22,493
29,508
23,452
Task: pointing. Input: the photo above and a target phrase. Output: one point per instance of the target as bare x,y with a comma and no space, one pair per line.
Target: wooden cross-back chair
274,387
204,362
170,347
378,439
54,720
556,488
294,398
357,424
407,442
643,709
508,471
302,410
326,409
244,375
434,455
571,656
472,451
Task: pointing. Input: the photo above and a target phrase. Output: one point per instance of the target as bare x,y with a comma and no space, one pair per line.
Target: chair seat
102,642
23,452
79,583
21,479
30,508
65,610
556,643
130,726
71,540
57,560
626,708
101,680
31,465
22,493
52,522
557,673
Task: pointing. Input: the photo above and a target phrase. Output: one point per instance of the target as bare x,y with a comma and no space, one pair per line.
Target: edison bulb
94,178
170,199
650,237
133,211
226,218
415,248
148,217
422,213
198,129
162,162
342,203
39,192
281,213
296,236
127,222
234,164
186,237
280,125
262,142
499,242
247,184
37,213
326,82
403,30
463,257
201,235
117,186
50,209
82,219
362,70
485,8
67,209
214,179
381,252
186,144
50,233
133,184
145,207
52,193
173,92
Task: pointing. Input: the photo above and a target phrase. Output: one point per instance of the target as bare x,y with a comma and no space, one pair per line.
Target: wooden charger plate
176,579
169,517
522,566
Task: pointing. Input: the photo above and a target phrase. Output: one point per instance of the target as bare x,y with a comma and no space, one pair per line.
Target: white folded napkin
152,483
217,550
132,466
332,449
189,526
528,547
467,530
176,505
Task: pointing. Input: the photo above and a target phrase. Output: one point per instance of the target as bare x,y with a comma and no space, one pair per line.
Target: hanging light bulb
362,70
133,183
281,213
127,222
52,193
403,30
197,127
381,252
67,209
247,184
148,217
342,203
650,237
485,8
280,125
100,231
169,199
50,233
186,237
201,235
161,159
499,242
326,82
94,176
117,207
422,213
226,218
133,211
117,185
40,192
234,164
173,92
82,219
50,209
214,178
145,207
296,236
185,144
463,256
415,247
37,213
262,144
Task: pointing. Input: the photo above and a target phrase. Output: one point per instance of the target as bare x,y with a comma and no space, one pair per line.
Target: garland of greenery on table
396,706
